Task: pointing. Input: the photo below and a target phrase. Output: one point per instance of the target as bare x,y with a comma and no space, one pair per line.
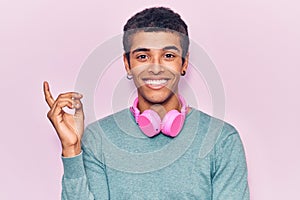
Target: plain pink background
255,46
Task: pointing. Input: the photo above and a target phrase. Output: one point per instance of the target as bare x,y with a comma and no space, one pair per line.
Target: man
156,56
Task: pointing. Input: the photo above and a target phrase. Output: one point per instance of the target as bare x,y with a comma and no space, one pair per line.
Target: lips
156,83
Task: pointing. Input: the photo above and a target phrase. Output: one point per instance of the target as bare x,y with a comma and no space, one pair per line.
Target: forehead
154,40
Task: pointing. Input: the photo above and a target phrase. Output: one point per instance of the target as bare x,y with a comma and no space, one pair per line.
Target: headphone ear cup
149,122
172,123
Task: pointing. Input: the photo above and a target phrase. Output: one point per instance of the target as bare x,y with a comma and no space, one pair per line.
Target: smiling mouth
156,83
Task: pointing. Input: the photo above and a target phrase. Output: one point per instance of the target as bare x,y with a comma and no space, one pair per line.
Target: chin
157,97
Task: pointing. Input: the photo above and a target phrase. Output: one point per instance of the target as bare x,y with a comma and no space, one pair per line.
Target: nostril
155,68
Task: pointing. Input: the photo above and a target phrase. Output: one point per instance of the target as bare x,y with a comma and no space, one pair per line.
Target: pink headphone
151,124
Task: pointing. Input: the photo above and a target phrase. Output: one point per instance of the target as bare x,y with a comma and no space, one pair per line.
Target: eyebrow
140,49
171,48
164,49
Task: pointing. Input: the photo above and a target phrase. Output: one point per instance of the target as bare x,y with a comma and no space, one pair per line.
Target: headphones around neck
151,124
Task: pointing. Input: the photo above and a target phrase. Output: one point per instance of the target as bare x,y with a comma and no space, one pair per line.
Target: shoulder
216,133
108,120
210,123
95,130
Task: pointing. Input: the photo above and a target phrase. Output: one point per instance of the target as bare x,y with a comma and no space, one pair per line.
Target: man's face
156,65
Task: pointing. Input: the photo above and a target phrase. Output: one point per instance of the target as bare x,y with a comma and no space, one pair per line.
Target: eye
169,55
141,57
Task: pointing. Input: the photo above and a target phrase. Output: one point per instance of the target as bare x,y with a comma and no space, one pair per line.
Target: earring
129,76
183,73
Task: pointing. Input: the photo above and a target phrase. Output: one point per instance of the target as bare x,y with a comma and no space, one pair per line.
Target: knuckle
49,114
77,102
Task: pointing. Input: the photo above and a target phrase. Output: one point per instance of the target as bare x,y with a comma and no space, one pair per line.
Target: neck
172,103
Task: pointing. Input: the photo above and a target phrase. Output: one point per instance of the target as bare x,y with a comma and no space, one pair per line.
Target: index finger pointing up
48,96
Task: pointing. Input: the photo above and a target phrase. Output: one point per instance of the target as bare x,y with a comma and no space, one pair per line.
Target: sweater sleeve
229,180
84,177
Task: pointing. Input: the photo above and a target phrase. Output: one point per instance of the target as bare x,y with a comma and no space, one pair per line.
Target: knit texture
205,161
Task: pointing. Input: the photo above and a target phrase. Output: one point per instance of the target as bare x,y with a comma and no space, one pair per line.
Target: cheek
136,71
175,66
137,68
138,82
176,80
175,70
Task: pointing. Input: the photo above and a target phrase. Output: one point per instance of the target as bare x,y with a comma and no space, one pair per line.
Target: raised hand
69,127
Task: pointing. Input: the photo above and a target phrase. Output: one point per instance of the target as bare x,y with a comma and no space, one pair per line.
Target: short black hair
156,19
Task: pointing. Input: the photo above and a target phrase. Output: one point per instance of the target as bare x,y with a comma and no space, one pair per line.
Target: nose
155,67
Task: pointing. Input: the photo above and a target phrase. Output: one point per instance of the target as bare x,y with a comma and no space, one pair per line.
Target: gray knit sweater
205,161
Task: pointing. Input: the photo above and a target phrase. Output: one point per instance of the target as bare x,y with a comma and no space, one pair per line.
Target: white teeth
156,82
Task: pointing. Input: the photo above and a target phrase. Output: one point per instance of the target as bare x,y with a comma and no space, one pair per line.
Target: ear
126,63
186,62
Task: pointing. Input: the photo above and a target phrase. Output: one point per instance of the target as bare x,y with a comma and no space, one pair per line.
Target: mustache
154,70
